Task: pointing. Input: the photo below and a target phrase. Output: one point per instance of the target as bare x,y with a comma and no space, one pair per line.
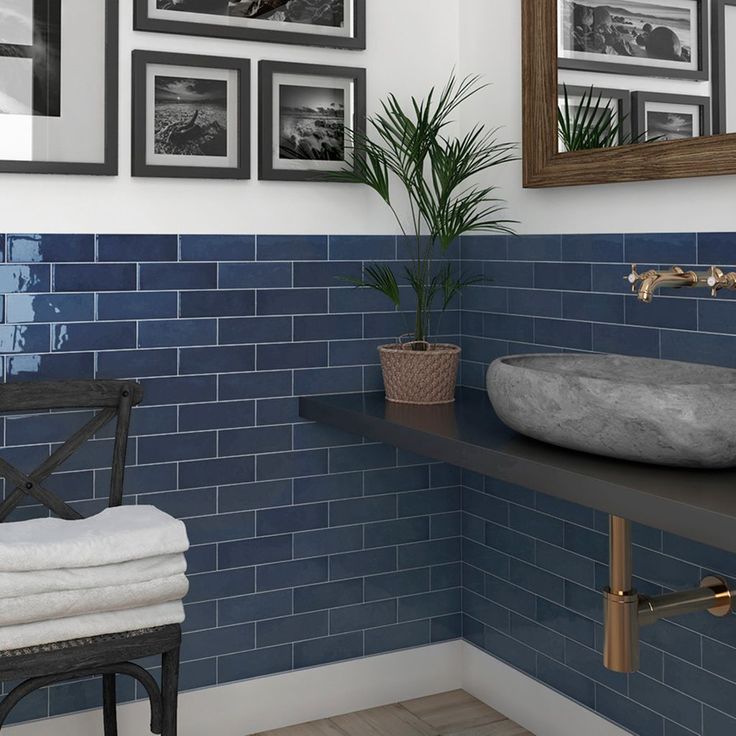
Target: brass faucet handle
717,280
634,277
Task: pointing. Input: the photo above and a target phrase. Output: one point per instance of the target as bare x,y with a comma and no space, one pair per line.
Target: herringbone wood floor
449,714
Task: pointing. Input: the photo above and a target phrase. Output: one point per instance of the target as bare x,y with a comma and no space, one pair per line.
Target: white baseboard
308,695
285,700
537,708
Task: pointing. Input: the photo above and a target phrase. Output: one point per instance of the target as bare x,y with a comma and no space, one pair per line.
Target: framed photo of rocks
670,117
331,23
308,114
58,86
191,116
654,38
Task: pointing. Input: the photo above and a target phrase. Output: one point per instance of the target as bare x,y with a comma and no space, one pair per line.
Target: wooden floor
449,714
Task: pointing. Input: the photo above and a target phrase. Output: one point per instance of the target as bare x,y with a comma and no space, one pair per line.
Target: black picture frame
266,72
356,41
639,106
109,165
701,73
718,73
140,167
621,96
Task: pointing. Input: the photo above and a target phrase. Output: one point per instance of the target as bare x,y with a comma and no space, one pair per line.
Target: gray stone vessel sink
651,411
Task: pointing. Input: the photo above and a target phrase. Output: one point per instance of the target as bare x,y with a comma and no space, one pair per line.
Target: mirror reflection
635,71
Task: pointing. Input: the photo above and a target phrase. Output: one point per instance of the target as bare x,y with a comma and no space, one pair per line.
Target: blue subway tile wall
308,545
533,565
311,545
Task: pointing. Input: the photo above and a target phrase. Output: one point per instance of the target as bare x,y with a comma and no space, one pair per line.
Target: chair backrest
111,398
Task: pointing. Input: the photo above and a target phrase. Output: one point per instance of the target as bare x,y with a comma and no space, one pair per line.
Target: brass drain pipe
625,611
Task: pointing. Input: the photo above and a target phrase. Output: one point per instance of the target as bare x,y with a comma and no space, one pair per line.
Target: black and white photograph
332,23
308,114
58,90
666,117
191,116
665,38
614,106
312,123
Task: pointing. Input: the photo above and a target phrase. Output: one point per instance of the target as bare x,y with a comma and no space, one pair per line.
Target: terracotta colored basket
424,377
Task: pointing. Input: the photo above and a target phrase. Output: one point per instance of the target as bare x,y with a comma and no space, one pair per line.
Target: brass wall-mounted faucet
650,282
625,611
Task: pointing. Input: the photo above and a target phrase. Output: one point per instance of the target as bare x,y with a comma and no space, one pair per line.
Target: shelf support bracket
625,611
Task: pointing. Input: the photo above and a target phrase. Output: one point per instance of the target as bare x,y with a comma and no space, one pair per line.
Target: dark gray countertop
697,504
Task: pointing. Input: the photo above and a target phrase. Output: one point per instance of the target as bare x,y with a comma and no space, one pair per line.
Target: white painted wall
490,44
413,44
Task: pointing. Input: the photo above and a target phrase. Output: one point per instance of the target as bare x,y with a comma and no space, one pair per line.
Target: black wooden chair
107,655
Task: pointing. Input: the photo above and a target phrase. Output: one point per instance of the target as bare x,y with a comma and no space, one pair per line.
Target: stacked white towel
121,570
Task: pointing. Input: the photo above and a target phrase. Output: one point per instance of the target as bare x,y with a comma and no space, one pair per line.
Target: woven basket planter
426,377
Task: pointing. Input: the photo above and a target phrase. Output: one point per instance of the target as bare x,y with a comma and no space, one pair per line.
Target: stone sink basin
641,409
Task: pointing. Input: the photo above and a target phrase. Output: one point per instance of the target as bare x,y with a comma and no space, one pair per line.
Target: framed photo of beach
331,23
191,116
653,38
669,117
307,115
59,87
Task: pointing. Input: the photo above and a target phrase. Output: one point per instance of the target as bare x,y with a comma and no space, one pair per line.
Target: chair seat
87,653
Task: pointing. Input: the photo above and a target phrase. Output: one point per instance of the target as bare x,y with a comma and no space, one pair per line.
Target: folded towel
15,584
93,624
67,603
115,535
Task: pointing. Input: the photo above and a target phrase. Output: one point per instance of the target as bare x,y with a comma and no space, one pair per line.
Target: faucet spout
652,281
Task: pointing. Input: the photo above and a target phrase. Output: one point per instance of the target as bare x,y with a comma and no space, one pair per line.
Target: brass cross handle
634,277
716,280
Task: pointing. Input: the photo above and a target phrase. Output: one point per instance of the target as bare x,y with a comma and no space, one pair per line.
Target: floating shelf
696,504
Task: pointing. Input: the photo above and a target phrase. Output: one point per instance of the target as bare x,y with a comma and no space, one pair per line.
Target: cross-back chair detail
111,398
107,655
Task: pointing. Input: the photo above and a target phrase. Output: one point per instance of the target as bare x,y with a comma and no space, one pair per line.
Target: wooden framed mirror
710,71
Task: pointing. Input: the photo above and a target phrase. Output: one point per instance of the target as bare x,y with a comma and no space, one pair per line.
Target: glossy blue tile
627,713
291,301
327,541
362,247
434,552
198,473
511,651
246,552
262,662
357,564
716,723
563,276
664,248
512,274
94,277
508,327
535,248
228,359
328,487
328,595
292,629
137,248
149,305
535,302
639,341
402,531
291,247
329,649
563,334
177,333
216,248
255,275
291,574
362,616
593,307
679,314
399,636
593,248
292,519
217,303
254,385
50,248
695,347
484,247
213,585
49,308
136,363
167,276
567,681
50,367
293,355
313,381
93,336
328,327
292,464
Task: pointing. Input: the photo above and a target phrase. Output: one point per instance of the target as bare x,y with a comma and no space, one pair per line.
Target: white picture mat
690,5
265,25
302,80
729,100
576,101
16,22
692,111
78,135
189,72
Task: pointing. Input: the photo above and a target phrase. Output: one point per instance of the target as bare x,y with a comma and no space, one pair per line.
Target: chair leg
170,691
109,705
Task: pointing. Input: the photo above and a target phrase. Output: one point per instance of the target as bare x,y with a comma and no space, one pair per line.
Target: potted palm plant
437,174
